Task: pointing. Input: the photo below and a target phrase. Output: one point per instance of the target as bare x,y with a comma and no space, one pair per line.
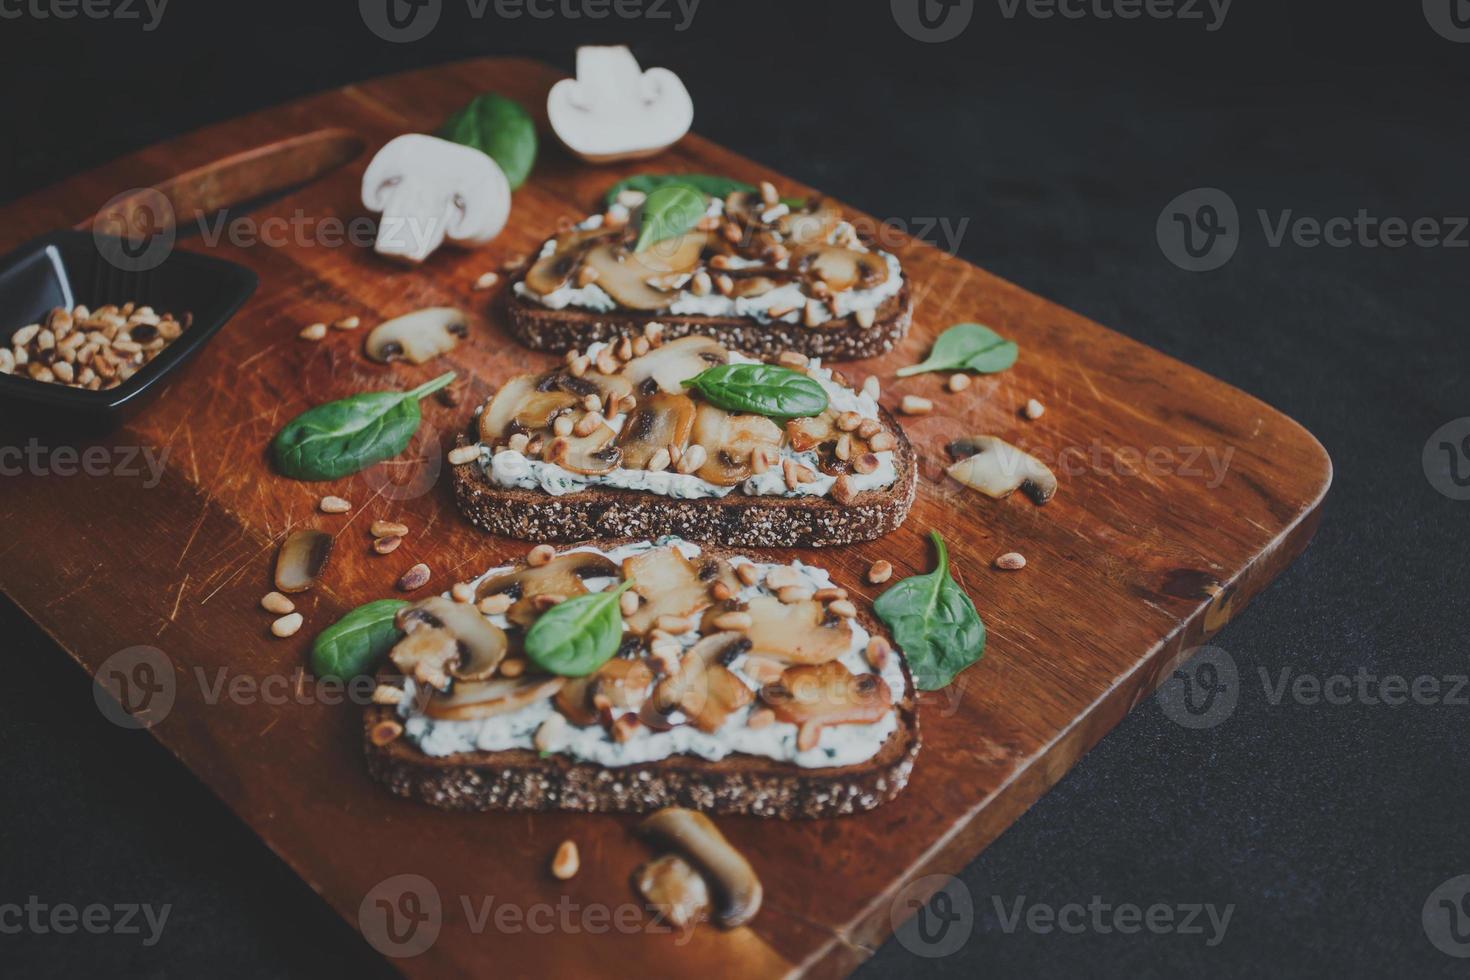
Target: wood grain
1128,567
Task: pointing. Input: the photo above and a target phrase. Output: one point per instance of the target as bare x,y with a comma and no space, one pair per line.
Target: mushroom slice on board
482,645
675,890
736,889
670,585
997,469
657,422
796,632
471,700
418,337
729,442
562,577
669,366
301,559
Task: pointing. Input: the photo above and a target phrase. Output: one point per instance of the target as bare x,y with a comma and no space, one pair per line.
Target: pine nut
415,578
674,625
460,455
870,387
579,365
790,358
628,602
540,555
866,463
513,667
549,735
659,461
495,605
700,285
640,346
335,505
843,449
733,621
385,731
843,490
1011,561
815,313
724,284
877,653
958,382
314,332
770,197
462,592
794,593
274,602
692,458
486,281
882,442
387,694
782,576
518,442
388,529
827,595
865,318
914,405
748,572
587,424
720,592
842,607
347,323
287,625
387,544
1034,409
880,571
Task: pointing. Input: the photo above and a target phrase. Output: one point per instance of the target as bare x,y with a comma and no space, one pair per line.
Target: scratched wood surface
1130,565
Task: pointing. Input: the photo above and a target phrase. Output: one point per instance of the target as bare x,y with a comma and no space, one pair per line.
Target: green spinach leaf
761,389
499,128
934,622
344,436
575,637
708,184
669,212
967,347
355,644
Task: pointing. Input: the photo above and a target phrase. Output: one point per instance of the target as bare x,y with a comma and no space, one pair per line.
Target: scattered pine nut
287,625
335,505
415,578
914,405
958,382
880,571
462,592
384,732
274,602
486,281
387,544
514,667
1011,561
388,529
314,332
347,323
460,455
495,605
540,555
882,442
877,653
842,607
1034,409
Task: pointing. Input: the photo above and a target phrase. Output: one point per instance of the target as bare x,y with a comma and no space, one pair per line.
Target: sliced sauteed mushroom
471,700
522,405
561,577
604,386
842,268
730,440
481,644
812,225
625,278
670,585
590,455
418,337
737,890
426,654
574,700
672,255
669,366
708,693
814,696
997,469
621,684
675,890
554,271
301,559
658,422
822,434
750,286
796,632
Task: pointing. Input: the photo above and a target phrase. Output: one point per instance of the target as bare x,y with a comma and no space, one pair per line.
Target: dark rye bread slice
521,779
845,340
735,519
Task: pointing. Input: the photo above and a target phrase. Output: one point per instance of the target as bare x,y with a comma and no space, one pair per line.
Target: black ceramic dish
65,268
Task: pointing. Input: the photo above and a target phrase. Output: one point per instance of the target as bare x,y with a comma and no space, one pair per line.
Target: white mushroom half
430,190
614,110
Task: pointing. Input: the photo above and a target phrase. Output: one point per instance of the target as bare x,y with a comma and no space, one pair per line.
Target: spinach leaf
713,186
934,622
499,128
669,212
356,643
967,347
344,436
761,389
575,637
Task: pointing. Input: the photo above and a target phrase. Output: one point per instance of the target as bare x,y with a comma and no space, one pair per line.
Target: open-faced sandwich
620,676
752,270
644,438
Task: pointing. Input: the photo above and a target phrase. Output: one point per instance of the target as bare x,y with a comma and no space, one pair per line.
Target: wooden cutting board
1131,565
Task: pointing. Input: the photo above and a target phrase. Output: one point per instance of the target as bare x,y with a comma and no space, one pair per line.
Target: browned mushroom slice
301,559
658,421
750,286
522,405
842,268
707,693
669,366
796,632
670,586
815,696
621,685
820,434
553,272
675,890
561,577
625,279
729,440
592,383
671,256
574,700
481,645
590,455
472,700
812,225
737,891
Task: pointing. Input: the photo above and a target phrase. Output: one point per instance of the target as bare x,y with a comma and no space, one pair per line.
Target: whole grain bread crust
559,331
735,519
522,780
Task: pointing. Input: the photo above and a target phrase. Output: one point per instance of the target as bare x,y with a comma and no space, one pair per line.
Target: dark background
1327,826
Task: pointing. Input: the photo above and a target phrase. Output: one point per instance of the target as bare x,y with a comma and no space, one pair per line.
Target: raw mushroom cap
418,337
